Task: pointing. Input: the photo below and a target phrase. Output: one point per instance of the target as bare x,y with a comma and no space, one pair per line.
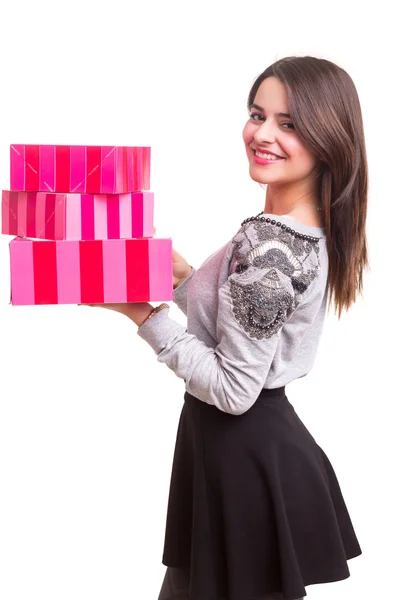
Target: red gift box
79,169
78,216
90,272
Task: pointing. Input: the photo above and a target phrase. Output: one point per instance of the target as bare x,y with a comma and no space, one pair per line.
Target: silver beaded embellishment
274,264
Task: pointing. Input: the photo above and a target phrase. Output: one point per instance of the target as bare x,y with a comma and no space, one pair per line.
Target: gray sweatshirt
255,311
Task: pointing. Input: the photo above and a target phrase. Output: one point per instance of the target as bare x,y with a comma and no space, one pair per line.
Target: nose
264,133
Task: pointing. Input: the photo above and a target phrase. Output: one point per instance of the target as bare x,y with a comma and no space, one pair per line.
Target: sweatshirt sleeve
253,306
180,292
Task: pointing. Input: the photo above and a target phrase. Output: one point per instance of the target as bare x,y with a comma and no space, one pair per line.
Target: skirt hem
307,582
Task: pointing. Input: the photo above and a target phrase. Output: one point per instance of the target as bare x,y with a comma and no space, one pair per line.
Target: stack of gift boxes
83,217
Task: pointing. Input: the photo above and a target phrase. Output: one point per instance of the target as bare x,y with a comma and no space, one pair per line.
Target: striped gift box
87,272
79,169
77,216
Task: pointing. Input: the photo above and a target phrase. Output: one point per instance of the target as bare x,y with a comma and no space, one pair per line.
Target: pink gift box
79,169
77,216
89,272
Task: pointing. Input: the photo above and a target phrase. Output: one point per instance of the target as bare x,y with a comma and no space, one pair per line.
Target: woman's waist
266,395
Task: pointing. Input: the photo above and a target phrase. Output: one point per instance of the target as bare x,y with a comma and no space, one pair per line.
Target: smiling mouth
266,155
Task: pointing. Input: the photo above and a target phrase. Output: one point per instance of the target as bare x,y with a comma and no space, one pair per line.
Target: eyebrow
260,108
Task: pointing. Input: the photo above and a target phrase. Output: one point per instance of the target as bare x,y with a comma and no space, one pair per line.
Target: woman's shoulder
284,222
280,250
256,231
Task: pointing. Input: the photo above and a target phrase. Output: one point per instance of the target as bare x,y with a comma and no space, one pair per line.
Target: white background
88,417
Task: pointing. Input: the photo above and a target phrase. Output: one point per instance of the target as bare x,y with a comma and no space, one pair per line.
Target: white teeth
267,156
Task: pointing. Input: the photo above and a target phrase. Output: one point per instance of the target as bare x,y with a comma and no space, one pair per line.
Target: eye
260,117
255,115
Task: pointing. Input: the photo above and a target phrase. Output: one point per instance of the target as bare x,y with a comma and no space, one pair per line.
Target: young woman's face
268,131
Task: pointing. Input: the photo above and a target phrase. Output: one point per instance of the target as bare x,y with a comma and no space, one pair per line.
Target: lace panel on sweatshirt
272,267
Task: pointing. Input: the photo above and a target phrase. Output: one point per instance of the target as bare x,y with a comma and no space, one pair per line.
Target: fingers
176,254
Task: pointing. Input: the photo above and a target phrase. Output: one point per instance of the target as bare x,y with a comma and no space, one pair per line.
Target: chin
259,178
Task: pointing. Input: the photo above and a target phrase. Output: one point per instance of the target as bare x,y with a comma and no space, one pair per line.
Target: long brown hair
325,109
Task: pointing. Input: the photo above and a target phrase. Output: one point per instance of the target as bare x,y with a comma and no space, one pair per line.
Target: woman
255,510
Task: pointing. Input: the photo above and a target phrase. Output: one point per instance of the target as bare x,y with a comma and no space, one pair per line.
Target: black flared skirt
254,505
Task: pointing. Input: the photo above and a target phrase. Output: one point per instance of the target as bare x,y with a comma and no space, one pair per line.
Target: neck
280,204
281,198
305,207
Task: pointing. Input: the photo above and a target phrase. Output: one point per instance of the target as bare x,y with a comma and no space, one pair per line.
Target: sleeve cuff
160,331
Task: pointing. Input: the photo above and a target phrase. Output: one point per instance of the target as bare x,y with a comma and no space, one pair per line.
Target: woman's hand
136,311
181,268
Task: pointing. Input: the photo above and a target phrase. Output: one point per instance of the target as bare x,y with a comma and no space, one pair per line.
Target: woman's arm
250,310
181,291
